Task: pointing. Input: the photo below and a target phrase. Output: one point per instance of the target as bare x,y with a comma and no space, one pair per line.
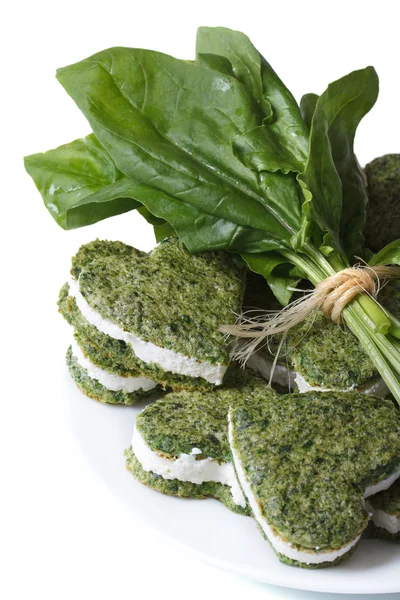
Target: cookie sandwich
157,313
180,442
306,463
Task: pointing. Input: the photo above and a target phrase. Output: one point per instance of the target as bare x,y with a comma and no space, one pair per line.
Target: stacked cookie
301,464
143,322
180,443
319,357
306,463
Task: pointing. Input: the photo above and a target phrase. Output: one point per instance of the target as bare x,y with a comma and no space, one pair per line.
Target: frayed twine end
331,296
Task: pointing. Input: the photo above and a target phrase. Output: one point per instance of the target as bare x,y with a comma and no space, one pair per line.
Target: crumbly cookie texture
309,458
171,298
101,249
93,389
180,421
383,209
183,489
115,355
328,356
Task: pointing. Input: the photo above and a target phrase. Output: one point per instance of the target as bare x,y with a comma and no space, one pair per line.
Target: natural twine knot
341,288
331,295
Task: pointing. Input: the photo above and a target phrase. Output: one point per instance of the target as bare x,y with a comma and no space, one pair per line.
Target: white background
63,533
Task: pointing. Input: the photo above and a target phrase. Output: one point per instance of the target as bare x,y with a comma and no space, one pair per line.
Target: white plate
205,528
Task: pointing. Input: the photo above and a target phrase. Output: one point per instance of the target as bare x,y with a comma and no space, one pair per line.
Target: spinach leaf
280,109
216,63
261,151
108,201
77,195
307,108
81,185
335,190
216,151
75,172
189,143
263,263
280,286
199,230
389,255
269,265
169,125
244,58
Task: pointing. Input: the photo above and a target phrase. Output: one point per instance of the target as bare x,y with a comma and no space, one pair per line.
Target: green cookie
92,387
114,355
383,209
182,489
385,510
325,355
320,355
305,463
180,443
165,308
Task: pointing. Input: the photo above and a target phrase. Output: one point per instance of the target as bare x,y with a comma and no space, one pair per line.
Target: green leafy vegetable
243,57
338,194
276,101
282,286
162,229
216,63
282,118
174,134
307,108
217,151
79,173
389,255
277,270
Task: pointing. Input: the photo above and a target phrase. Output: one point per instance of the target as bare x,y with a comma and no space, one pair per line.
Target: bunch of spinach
218,152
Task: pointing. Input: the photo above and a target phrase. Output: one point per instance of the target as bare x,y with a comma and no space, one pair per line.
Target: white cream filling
186,467
287,378
111,381
383,519
278,543
168,360
263,365
377,387
382,485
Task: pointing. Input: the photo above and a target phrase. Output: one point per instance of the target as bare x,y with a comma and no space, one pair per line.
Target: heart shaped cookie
157,313
180,443
306,462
